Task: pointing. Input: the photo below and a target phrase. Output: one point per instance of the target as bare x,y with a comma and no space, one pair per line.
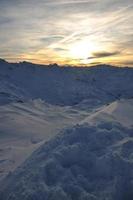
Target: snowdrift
120,111
82,163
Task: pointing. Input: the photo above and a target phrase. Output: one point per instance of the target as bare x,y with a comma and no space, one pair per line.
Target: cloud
96,63
63,2
130,62
103,54
47,40
60,49
60,24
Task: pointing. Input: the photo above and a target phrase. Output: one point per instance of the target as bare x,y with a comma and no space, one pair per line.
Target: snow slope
25,126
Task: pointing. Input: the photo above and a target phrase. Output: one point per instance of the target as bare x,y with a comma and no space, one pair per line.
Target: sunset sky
78,32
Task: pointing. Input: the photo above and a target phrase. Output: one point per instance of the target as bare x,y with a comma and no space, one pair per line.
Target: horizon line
66,65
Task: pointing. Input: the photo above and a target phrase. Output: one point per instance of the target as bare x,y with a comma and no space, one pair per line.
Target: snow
120,111
65,133
65,85
83,162
25,126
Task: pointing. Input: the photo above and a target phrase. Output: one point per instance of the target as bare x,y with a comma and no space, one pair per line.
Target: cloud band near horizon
67,31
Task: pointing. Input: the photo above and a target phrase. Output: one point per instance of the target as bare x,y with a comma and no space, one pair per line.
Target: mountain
66,132
64,85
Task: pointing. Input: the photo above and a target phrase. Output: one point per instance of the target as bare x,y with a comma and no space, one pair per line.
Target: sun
82,50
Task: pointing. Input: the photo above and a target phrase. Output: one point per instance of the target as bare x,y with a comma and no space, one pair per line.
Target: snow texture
81,163
66,133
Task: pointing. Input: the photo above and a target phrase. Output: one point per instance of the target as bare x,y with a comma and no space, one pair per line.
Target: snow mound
82,163
120,111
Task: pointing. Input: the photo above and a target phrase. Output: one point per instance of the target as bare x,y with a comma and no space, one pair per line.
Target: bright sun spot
82,50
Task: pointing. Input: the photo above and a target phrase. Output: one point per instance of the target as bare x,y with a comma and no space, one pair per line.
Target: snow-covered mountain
70,131
64,85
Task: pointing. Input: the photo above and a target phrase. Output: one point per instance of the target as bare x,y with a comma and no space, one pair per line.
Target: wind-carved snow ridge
120,111
82,163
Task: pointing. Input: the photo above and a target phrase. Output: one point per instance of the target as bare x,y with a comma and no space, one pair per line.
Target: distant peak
53,65
3,61
25,62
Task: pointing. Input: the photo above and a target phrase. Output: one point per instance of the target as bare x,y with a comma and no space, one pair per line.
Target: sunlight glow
83,50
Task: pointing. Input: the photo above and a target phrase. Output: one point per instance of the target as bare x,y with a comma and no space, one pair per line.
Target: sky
72,32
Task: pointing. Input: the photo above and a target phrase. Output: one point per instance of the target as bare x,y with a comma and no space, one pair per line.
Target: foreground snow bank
82,163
